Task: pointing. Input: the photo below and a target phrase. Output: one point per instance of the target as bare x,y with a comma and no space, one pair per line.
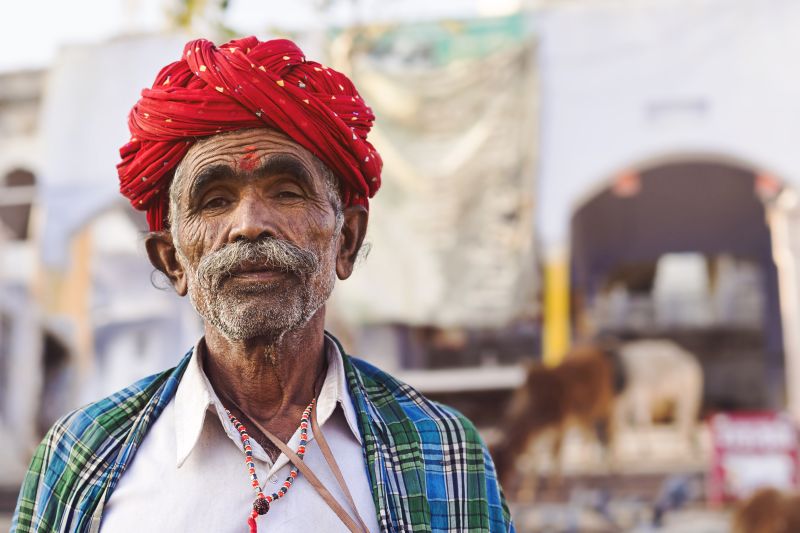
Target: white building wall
88,95
623,82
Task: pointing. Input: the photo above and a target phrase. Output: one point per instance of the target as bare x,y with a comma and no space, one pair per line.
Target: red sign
750,451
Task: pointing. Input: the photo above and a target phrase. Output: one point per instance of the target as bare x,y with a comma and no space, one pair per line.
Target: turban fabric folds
246,84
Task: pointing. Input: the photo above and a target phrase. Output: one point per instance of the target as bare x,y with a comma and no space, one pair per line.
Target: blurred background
586,240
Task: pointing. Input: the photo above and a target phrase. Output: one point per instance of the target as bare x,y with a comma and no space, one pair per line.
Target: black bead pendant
261,506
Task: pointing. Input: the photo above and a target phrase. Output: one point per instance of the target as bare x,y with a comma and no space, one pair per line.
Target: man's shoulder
384,388
105,420
106,415
439,443
76,460
100,427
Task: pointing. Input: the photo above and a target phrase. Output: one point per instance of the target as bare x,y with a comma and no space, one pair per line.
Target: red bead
261,506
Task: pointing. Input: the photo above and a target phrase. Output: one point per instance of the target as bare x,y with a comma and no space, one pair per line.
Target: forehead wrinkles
230,151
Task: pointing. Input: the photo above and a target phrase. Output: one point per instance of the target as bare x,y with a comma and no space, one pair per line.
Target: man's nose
252,219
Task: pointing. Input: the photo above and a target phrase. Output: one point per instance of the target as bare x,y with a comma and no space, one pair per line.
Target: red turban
246,84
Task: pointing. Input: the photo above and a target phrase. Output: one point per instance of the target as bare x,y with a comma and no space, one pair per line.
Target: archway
56,376
17,193
705,211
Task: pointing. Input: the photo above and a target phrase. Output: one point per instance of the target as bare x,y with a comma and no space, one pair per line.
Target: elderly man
254,168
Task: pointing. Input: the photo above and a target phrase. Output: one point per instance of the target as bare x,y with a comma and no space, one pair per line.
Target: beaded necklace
262,502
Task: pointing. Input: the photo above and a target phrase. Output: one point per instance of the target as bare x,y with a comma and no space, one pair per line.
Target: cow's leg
556,447
687,409
528,479
606,434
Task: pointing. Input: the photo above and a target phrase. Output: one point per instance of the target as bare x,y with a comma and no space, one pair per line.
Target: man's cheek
193,240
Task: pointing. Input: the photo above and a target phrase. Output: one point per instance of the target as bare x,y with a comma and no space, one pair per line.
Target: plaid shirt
426,463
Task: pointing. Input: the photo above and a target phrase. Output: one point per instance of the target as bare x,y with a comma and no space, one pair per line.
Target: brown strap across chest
334,466
315,482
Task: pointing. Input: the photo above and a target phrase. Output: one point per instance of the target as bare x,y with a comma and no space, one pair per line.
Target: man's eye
215,203
289,194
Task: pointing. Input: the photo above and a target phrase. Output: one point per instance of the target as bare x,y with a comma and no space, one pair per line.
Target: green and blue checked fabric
428,468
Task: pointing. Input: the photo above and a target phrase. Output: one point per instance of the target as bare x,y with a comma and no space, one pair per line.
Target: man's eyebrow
209,174
284,164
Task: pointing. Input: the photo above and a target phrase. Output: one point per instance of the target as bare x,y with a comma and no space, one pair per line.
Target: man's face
256,233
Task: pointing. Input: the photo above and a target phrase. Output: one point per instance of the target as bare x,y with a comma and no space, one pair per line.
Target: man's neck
270,381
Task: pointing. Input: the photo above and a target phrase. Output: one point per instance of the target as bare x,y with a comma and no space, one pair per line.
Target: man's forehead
237,143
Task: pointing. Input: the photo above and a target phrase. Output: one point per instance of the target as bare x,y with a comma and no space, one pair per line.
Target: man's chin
260,314
246,327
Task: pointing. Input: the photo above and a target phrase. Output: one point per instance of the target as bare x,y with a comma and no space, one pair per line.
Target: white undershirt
189,473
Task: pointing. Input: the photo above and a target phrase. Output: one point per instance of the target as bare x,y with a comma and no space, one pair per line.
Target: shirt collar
195,397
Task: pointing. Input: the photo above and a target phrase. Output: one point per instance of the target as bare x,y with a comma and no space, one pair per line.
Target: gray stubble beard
231,310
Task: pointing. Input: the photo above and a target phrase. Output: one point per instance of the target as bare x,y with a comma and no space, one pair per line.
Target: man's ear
354,228
163,255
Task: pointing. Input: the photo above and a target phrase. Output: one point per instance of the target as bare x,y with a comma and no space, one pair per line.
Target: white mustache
272,253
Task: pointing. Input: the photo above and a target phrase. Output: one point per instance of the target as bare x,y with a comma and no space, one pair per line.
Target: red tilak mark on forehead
249,148
249,161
